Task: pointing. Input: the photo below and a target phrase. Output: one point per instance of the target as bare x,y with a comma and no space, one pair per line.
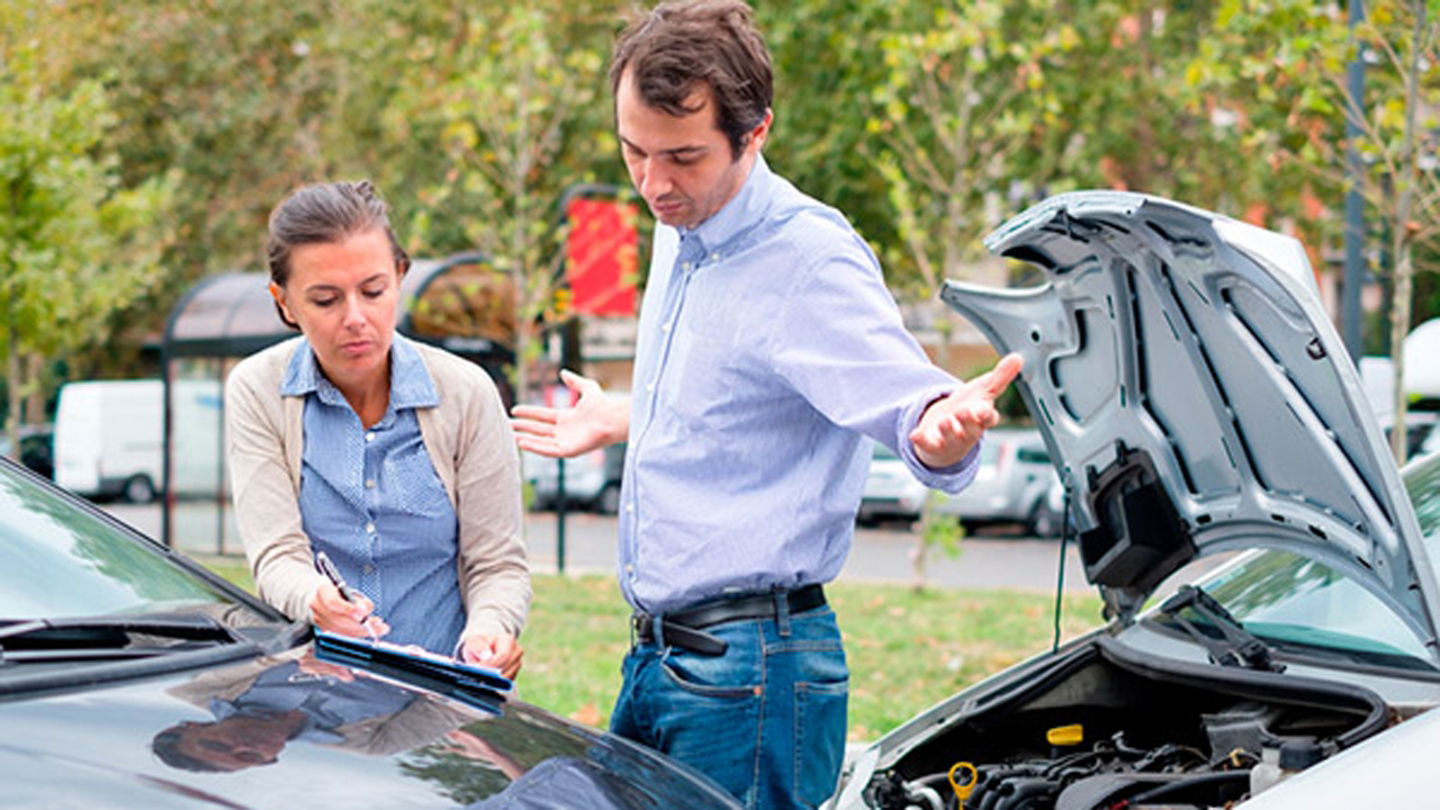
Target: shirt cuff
949,479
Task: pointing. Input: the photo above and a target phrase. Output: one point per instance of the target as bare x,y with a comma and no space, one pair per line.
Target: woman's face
345,296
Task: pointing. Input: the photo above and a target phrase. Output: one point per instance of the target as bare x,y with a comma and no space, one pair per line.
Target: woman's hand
500,652
331,613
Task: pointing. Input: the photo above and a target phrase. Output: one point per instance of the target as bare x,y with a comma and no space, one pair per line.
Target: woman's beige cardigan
470,443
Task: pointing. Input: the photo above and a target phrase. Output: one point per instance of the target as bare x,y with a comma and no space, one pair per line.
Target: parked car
891,491
1013,485
36,448
109,438
592,481
1197,400
130,677
1420,434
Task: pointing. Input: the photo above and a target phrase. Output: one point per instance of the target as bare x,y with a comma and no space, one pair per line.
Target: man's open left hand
951,426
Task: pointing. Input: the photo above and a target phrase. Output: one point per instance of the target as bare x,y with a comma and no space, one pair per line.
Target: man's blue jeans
766,720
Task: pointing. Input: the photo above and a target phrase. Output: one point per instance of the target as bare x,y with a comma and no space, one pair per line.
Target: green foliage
939,530
519,108
960,98
926,123
76,242
936,531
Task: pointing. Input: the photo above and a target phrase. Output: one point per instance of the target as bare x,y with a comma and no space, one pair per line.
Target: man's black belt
685,628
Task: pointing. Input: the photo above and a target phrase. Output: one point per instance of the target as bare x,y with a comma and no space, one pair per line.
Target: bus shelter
460,303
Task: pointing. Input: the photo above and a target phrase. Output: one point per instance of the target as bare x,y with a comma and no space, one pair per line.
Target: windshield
1289,600
59,560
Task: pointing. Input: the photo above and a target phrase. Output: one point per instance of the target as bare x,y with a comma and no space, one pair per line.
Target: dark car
1196,401
37,449
130,677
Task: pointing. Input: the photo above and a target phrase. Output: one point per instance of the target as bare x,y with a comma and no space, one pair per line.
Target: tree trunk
13,385
1401,236
1399,328
35,400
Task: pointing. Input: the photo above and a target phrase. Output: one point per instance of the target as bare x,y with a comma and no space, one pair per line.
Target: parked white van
109,438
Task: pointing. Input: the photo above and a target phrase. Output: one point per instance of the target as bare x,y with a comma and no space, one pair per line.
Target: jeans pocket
707,713
710,676
820,716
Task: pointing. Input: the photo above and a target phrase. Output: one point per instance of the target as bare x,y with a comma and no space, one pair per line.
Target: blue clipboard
437,672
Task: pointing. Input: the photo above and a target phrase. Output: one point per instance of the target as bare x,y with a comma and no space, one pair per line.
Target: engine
1098,733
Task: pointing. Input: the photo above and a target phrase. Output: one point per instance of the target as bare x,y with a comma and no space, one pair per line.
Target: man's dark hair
325,214
166,746
681,44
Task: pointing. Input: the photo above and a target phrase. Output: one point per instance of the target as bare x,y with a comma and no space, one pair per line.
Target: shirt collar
743,210
410,382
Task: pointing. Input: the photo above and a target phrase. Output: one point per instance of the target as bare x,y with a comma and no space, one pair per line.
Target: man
768,349
263,705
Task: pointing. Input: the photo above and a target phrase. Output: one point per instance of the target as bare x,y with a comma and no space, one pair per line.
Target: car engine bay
1105,729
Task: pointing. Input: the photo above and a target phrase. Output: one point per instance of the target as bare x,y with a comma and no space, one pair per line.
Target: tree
521,113
75,245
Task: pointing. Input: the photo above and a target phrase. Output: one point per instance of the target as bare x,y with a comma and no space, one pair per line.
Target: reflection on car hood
1196,398
291,731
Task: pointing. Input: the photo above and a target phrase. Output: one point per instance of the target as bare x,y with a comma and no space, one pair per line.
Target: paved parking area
990,559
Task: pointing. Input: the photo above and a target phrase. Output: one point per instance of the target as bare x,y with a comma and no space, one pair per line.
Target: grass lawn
907,650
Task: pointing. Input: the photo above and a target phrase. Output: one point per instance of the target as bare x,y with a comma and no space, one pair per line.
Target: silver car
1198,402
891,490
1013,485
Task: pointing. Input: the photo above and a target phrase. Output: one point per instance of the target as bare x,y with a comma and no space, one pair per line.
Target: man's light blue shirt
768,348
371,499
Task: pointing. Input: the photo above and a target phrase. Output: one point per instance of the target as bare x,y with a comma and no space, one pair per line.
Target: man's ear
761,132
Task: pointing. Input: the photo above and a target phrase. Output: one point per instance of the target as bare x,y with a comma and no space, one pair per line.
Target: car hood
334,736
1196,398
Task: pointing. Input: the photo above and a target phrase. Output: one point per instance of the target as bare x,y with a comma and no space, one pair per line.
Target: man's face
682,166
237,742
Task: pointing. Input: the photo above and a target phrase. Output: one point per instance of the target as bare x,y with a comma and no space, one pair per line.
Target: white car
891,491
592,480
1197,401
1016,483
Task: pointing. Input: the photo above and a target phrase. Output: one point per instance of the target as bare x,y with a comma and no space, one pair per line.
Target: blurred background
143,143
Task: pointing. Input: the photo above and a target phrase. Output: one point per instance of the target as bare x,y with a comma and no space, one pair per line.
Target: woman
394,458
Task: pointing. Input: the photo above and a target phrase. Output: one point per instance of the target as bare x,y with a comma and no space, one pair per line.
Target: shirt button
369,569
664,327
369,528
630,568
685,265
369,437
630,507
650,386
370,483
714,257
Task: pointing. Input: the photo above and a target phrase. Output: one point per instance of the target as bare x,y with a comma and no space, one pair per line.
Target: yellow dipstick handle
962,792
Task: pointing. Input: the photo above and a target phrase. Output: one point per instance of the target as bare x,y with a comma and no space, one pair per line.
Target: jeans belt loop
782,611
657,629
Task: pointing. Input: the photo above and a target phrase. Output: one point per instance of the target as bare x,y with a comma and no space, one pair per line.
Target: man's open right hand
597,420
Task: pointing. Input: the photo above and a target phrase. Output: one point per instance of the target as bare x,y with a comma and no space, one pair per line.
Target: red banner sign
602,256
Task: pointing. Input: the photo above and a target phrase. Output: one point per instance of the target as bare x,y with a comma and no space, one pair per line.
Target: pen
326,567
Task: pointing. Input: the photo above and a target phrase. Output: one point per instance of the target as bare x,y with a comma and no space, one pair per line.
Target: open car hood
1196,398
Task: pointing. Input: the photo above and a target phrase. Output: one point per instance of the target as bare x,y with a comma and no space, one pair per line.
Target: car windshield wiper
1236,647
91,637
